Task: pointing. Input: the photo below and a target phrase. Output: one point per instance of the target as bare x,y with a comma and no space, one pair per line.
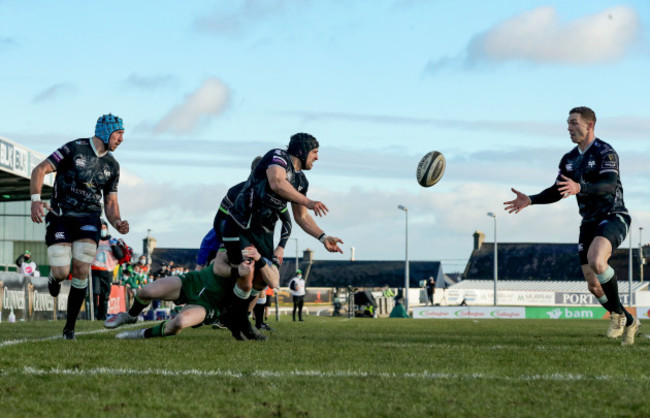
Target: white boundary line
58,337
264,374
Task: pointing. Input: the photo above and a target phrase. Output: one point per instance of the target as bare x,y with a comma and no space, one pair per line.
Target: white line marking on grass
354,374
58,337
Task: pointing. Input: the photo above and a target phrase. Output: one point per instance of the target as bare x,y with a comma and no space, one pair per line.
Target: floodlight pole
496,261
406,266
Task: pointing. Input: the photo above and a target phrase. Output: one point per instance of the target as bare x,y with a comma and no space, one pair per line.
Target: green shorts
205,289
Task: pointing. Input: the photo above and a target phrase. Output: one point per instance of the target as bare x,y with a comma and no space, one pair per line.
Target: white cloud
539,36
149,82
241,17
206,102
53,92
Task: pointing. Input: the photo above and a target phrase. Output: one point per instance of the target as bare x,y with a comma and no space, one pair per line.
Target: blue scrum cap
106,125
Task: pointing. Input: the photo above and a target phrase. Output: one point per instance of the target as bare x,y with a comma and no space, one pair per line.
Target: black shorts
102,281
614,228
69,229
236,239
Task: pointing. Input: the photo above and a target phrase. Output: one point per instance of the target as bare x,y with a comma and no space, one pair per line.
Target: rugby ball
431,169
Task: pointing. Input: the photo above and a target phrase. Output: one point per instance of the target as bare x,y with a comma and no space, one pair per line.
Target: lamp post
630,273
297,260
496,261
641,260
406,267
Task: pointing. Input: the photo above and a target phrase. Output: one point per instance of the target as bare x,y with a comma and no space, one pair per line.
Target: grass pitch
327,367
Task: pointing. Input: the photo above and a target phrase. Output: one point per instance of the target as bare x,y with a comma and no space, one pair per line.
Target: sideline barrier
30,299
468,312
519,312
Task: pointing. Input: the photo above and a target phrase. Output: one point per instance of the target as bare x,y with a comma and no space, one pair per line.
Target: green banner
563,312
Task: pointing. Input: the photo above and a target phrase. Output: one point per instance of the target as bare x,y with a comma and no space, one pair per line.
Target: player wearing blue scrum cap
86,173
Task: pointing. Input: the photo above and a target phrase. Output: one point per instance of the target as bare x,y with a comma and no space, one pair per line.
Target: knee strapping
84,251
240,293
59,255
79,283
606,275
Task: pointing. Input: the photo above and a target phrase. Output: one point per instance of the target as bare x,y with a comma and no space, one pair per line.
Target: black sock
137,307
259,314
156,331
611,291
610,305
76,298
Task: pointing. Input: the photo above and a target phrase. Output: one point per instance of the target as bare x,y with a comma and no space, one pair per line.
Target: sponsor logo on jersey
107,173
59,235
603,222
569,167
80,162
89,228
591,164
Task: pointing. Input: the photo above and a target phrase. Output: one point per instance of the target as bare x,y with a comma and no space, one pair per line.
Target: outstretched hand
516,205
332,244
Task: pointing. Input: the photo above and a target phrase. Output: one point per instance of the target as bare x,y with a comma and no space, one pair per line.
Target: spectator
297,287
258,311
106,259
387,292
142,261
27,265
128,280
270,296
163,271
431,290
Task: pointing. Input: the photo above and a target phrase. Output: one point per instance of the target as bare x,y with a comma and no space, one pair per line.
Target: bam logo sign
570,313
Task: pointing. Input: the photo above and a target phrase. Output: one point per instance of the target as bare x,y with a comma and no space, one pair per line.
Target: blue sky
204,87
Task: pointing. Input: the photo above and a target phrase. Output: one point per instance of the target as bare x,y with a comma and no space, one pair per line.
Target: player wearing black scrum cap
278,178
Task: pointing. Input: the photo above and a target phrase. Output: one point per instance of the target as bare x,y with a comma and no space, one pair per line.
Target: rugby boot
630,332
119,320
265,326
616,325
251,333
54,286
68,334
136,334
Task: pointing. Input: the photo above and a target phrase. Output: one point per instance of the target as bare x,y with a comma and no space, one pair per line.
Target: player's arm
285,233
307,223
549,195
278,182
606,185
112,211
269,271
36,186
